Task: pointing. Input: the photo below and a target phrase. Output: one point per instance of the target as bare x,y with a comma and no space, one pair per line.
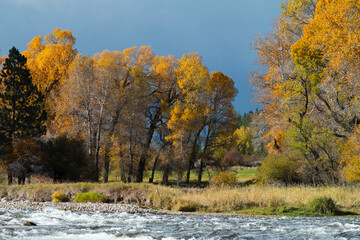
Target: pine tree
22,112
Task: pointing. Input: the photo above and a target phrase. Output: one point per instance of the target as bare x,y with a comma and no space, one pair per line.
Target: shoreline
102,208
121,208
80,207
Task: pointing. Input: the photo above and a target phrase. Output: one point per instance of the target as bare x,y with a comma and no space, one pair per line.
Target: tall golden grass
192,199
256,196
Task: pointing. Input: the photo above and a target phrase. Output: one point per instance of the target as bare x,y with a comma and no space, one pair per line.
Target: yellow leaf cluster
351,157
49,59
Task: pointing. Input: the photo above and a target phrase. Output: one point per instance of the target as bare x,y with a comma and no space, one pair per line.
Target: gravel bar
79,207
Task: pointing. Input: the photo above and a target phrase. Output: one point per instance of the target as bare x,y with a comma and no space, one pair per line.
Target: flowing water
57,224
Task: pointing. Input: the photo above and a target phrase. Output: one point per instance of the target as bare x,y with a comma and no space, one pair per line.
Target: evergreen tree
22,112
245,119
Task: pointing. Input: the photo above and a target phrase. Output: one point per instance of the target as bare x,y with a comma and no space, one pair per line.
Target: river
57,224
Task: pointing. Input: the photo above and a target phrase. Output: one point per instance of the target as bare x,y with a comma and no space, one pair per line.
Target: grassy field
242,175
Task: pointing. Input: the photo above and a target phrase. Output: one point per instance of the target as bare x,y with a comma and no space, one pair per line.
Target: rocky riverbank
78,207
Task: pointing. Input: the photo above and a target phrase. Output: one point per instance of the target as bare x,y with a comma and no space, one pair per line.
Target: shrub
90,197
322,205
278,168
232,158
59,196
66,159
223,179
186,207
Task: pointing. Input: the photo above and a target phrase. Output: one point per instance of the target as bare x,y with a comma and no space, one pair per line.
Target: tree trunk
91,140
192,157
107,147
131,156
151,180
165,178
97,155
203,156
144,154
200,171
123,176
10,179
122,166
191,161
106,163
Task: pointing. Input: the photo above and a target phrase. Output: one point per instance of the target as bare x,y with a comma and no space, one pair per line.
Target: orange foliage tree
309,87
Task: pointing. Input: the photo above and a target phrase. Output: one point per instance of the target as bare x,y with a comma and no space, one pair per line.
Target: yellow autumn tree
187,116
165,94
49,59
204,104
302,105
276,85
76,101
350,157
329,51
243,140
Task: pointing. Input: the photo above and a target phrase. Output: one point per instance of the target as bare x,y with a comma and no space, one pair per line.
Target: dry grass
183,199
256,196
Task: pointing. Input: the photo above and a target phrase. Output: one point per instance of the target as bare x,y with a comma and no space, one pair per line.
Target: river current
57,224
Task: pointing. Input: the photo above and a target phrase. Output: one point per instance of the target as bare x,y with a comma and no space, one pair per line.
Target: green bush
90,197
224,179
278,168
186,207
65,159
59,196
322,205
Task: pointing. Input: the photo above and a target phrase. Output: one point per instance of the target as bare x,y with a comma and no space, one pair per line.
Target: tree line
129,110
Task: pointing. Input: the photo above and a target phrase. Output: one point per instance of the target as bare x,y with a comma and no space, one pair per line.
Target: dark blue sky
219,30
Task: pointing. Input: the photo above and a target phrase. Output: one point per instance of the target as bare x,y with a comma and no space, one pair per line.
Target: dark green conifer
22,112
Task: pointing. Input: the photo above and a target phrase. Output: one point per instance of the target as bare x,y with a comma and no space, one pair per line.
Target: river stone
28,223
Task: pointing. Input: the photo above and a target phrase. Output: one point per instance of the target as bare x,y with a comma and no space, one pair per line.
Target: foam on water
57,224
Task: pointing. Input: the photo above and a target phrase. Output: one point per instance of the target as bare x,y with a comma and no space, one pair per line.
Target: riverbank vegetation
251,200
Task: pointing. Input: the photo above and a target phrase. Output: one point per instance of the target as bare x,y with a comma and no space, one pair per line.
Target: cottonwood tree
131,101
276,74
86,102
282,93
219,113
163,94
49,60
310,87
187,123
328,52
77,111
204,104
243,140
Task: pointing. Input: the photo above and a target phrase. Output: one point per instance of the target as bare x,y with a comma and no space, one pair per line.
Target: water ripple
57,224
